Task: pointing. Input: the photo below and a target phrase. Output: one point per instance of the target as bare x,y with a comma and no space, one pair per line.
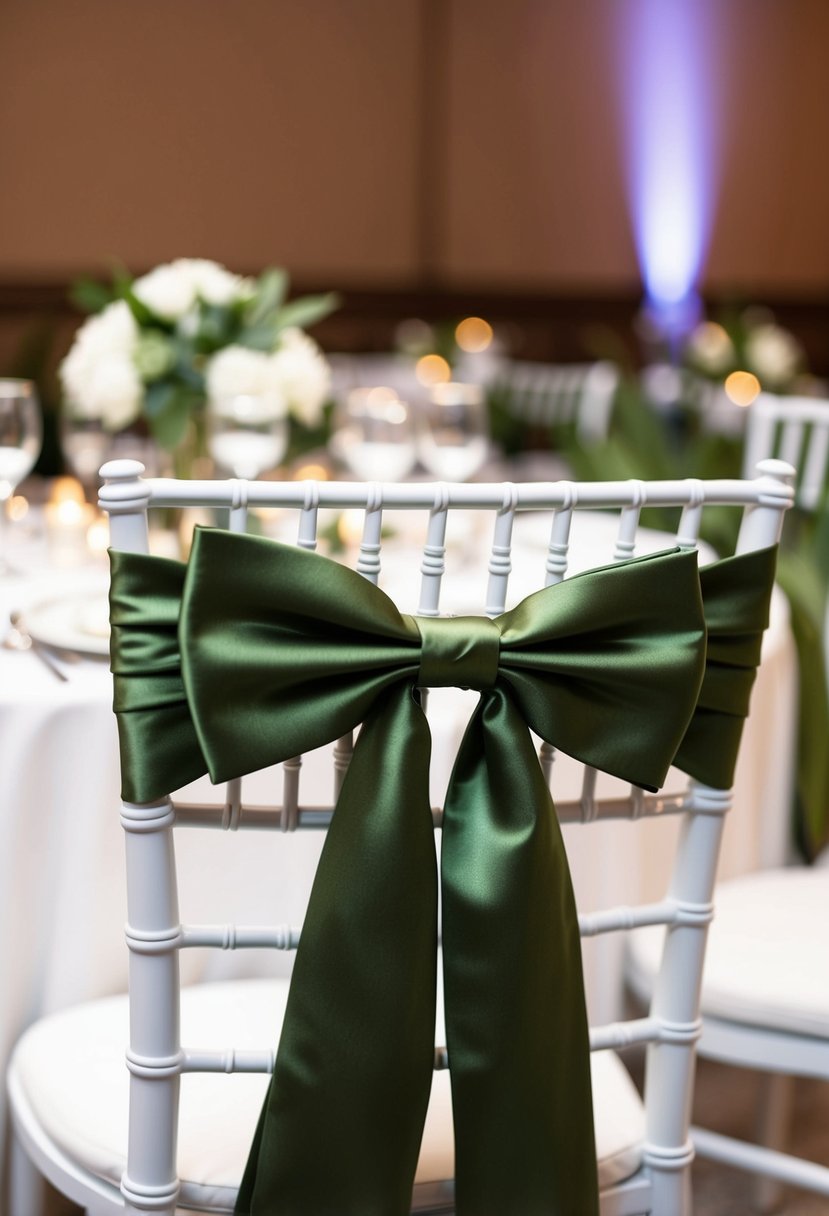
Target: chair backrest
552,394
794,429
522,535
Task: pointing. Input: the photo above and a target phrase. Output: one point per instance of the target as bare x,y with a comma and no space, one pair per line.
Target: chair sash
255,652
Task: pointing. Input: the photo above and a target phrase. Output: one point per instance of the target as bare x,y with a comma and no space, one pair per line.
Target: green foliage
508,433
803,573
168,406
306,311
644,443
90,296
309,438
655,446
271,291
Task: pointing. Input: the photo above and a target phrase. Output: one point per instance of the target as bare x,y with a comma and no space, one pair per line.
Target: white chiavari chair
765,995
69,1095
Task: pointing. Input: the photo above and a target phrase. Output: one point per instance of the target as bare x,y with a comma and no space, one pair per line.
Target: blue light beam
668,103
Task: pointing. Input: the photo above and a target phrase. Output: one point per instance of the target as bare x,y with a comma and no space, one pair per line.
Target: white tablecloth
62,905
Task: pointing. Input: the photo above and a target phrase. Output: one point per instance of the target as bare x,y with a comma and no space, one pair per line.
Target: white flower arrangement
751,341
773,354
190,330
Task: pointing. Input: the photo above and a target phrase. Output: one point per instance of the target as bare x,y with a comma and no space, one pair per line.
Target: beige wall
252,131
375,141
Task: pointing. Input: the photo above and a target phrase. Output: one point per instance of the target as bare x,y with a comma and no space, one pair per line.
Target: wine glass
21,436
453,437
374,435
247,434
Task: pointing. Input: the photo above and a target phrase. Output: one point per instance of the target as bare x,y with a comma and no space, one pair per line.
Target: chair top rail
799,409
126,491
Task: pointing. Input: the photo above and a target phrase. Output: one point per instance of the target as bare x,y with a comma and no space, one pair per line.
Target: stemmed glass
248,433
453,437
374,435
86,444
21,436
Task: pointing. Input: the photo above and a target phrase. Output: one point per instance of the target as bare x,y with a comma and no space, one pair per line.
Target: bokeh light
97,535
742,388
311,472
17,508
433,369
473,335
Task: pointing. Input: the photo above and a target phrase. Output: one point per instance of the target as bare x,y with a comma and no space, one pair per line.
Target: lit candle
68,516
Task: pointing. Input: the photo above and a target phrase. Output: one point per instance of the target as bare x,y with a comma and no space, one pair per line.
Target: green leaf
303,439
169,413
271,290
143,315
190,370
260,337
90,296
307,310
158,397
216,324
122,280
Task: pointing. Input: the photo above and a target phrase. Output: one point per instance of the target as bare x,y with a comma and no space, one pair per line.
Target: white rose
98,375
299,369
711,349
773,354
212,282
167,291
237,371
116,392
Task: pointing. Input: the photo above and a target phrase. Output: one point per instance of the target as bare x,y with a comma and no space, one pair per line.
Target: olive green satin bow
281,651
736,595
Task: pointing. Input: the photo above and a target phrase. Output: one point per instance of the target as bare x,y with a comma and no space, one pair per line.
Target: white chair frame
156,1058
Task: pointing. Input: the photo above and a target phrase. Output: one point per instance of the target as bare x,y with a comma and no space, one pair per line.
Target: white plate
77,621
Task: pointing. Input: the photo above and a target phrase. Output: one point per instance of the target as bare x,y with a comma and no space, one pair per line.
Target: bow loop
605,665
458,652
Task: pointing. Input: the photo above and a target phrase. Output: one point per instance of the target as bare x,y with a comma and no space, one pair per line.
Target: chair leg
773,1122
27,1186
671,1192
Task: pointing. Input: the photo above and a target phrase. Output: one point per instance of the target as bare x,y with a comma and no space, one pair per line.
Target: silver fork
18,639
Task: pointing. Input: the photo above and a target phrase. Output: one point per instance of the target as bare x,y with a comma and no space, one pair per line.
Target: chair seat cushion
767,961
71,1068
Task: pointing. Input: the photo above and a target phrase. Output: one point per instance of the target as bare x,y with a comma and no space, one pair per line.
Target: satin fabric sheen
255,652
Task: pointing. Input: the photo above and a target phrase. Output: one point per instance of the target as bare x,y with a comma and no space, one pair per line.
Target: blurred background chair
68,1087
765,1006
795,429
577,395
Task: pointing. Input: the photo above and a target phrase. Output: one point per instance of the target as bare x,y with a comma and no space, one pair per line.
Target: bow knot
458,652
